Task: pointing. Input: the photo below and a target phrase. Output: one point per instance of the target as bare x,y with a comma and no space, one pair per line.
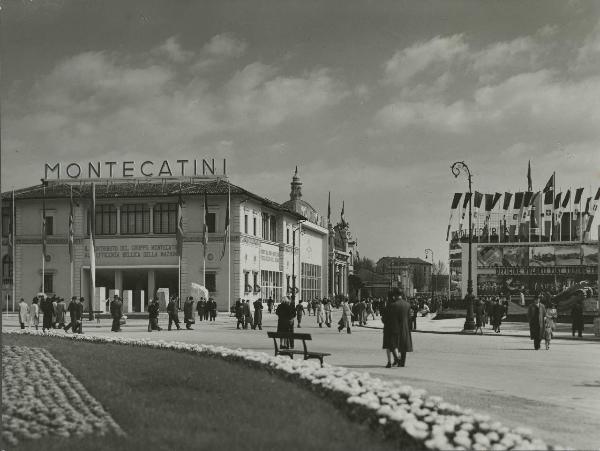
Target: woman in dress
35,313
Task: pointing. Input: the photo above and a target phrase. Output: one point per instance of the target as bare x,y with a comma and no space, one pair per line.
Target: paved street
556,393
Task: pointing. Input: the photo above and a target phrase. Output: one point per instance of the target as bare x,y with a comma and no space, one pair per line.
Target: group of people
245,317
53,310
206,310
489,310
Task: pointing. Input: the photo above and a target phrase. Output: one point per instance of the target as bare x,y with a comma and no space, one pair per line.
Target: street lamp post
432,265
293,298
469,321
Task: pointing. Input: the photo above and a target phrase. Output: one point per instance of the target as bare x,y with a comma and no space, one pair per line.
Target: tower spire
296,184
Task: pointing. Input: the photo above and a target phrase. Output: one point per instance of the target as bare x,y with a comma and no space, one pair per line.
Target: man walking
397,330
247,314
258,308
212,309
23,313
299,312
536,314
76,314
61,310
48,311
172,311
577,316
327,308
116,312
153,309
188,312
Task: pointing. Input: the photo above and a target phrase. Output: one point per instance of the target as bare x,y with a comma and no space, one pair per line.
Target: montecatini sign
140,169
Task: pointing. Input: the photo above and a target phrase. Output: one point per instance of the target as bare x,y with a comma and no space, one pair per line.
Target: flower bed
41,397
402,413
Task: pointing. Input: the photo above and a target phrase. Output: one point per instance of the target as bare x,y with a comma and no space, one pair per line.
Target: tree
364,263
439,268
418,277
355,283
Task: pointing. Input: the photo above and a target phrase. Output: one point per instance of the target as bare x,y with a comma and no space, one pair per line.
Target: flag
578,194
226,229
205,230
550,185
71,228
547,212
488,199
44,232
342,215
516,217
507,198
524,223
529,188
503,223
567,198
557,202
329,209
535,210
179,231
593,212
465,203
478,199
455,202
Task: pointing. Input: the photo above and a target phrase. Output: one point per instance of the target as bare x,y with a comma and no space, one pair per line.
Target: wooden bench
291,352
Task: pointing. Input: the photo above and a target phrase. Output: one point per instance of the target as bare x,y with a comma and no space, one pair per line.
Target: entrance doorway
136,280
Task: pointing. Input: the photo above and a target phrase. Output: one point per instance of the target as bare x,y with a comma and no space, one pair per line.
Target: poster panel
541,256
590,254
568,255
489,256
515,256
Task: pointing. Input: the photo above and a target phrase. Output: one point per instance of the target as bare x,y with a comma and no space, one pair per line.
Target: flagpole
14,242
571,217
204,245
71,238
43,235
229,248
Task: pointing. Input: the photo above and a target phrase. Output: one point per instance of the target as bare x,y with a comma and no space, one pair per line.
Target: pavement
556,393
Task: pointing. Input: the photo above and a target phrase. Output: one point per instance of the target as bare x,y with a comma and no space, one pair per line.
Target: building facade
410,275
235,243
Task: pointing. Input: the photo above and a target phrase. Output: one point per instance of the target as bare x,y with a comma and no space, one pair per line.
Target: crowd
54,313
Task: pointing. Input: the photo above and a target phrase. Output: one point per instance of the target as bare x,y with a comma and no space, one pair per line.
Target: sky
372,100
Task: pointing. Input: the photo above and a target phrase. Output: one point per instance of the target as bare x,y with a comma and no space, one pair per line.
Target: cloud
173,51
255,97
225,45
407,63
588,55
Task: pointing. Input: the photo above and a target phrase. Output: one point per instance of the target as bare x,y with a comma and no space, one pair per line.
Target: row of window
311,281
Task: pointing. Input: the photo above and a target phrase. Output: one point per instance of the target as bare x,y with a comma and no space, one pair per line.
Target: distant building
410,275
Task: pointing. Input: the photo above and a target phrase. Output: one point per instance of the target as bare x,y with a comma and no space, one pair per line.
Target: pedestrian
396,330
346,318
153,311
239,313
300,312
258,308
479,316
370,310
320,313
116,312
551,317
61,310
496,317
270,305
188,312
327,309
48,311
76,314
577,316
414,312
23,313
247,315
54,304
536,315
285,321
212,309
201,307
488,311
35,313
172,310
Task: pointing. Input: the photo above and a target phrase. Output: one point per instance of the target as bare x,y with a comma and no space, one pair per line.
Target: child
551,316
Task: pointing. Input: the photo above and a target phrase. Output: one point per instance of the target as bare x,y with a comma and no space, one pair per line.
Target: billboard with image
489,256
589,254
568,255
515,256
542,256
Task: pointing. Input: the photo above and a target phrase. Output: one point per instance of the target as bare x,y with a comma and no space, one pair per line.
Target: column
119,281
118,219
151,217
151,285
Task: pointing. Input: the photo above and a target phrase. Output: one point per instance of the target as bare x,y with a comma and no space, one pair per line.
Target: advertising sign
515,256
541,256
489,256
568,255
589,254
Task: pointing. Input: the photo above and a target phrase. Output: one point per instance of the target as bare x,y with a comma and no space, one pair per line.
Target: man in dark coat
201,308
116,312
577,316
76,314
211,306
536,314
396,330
247,315
188,312
153,310
239,313
258,308
48,310
172,311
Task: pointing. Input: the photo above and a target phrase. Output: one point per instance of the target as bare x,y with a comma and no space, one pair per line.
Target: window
211,222
271,285
246,281
106,220
311,281
7,269
165,218
49,225
135,219
48,283
6,212
210,281
265,226
254,226
255,277
273,228
287,236
245,223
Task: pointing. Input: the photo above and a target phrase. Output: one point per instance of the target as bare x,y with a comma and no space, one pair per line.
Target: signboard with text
134,251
